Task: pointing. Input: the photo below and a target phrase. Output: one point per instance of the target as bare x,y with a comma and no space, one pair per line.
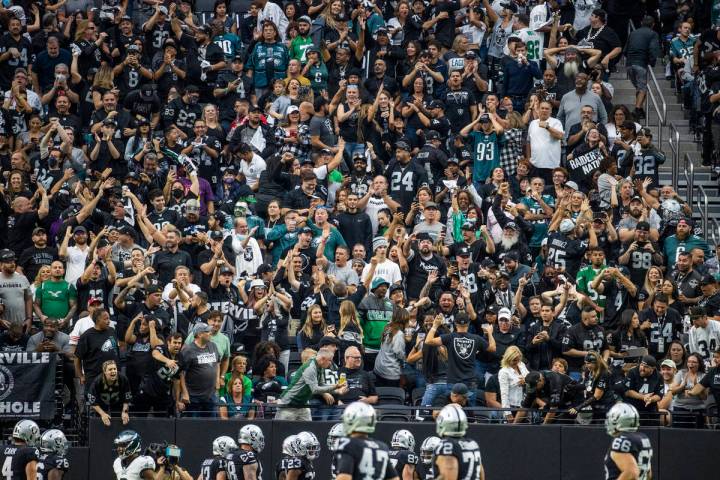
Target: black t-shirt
360,384
159,378
557,392
457,108
139,358
418,270
605,40
603,382
109,397
711,381
93,288
7,344
19,457
19,227
165,263
565,253
462,349
33,258
580,337
652,384
364,458
95,347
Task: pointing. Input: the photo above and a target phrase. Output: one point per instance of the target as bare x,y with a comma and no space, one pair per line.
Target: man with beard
75,255
640,253
637,211
156,390
152,305
514,268
511,241
662,326
567,62
14,293
302,41
431,225
549,90
32,258
460,104
480,247
204,150
486,145
683,241
380,80
182,112
360,179
211,58
710,300
404,176
686,280
231,85
110,112
572,102
421,261
599,36
157,29
565,249
354,225
544,339
578,132
170,257
130,74
431,157
322,134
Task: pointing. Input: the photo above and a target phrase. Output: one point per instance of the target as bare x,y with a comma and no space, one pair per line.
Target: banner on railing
27,385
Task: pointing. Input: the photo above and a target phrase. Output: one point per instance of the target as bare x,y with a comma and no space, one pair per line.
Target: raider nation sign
27,385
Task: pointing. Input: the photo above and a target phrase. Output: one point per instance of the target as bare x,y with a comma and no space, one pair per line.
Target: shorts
638,77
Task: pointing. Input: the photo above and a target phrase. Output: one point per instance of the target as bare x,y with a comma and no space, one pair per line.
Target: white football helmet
309,445
359,417
427,449
404,440
27,431
54,441
290,446
336,432
451,422
223,446
622,417
253,436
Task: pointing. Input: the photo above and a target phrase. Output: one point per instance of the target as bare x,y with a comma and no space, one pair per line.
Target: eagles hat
7,255
377,282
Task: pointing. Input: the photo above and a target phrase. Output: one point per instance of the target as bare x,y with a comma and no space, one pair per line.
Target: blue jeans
323,411
432,390
200,407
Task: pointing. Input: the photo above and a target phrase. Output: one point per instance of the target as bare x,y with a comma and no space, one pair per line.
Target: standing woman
688,410
511,378
627,336
411,58
599,394
396,25
389,361
293,136
350,332
139,144
313,329
220,13
212,121
414,102
348,120
110,393
269,59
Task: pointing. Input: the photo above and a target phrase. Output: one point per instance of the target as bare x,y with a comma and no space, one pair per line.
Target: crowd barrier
509,452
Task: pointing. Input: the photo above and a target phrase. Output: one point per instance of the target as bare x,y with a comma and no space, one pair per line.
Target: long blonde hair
327,15
104,77
308,325
509,356
650,288
348,316
601,365
80,30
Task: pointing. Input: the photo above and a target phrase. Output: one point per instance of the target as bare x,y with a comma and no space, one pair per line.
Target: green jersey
230,44
673,246
540,227
298,48
55,297
318,75
584,278
486,154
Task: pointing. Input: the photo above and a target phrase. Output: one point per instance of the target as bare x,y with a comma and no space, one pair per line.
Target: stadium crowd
253,209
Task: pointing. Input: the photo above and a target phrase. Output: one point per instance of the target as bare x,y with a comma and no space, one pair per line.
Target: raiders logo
464,347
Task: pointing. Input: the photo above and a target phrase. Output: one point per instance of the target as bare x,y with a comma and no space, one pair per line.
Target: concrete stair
702,175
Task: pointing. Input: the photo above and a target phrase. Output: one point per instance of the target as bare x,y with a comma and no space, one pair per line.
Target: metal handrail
715,232
674,142
702,204
660,110
689,174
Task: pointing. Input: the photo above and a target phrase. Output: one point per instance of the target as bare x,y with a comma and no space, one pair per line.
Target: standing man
462,349
571,103
200,375
97,345
55,297
485,146
661,325
546,134
14,293
642,49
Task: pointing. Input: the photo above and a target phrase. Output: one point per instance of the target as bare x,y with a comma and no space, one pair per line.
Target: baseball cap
636,198
225,270
644,226
470,54
133,48
7,255
37,230
79,229
436,104
510,6
571,184
153,288
468,226
488,263
394,288
402,145
512,255
462,319
93,300
432,205
432,135
649,361
201,327
686,221
567,226
257,283
511,225
453,160
377,282
460,389
707,279
463,252
484,118
327,340
423,236
668,363
504,313
531,381
292,109
493,309
305,230
163,9
304,19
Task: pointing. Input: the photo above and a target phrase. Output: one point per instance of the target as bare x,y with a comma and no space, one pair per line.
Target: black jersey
49,462
404,181
580,337
164,217
363,458
400,458
565,253
638,445
287,463
425,472
237,461
467,453
211,467
16,459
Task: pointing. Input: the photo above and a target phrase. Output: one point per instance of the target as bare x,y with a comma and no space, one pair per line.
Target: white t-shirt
583,10
373,206
81,326
545,150
168,288
388,270
253,169
76,259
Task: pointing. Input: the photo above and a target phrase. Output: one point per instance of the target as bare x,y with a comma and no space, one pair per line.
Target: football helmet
27,431
451,422
622,417
54,441
309,445
336,432
427,449
403,439
223,446
359,417
127,443
253,436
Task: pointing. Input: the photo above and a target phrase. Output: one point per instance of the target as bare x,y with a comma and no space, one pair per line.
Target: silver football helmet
622,417
253,436
359,417
223,446
54,441
290,446
403,439
336,432
451,422
427,449
309,445
27,431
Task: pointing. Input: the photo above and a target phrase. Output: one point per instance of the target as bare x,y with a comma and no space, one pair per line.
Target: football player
336,432
214,468
630,452
298,453
427,450
23,454
53,464
402,455
456,456
357,455
130,465
244,464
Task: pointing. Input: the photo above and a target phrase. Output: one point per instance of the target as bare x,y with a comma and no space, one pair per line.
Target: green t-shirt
585,278
298,48
54,298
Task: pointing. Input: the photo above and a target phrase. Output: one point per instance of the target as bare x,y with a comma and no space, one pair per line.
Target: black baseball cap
707,279
462,319
531,381
7,255
644,226
649,361
463,252
460,389
432,135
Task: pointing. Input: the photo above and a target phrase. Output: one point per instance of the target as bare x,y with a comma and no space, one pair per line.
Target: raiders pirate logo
464,347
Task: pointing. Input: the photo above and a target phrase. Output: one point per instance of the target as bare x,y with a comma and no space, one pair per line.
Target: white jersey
538,19
533,43
135,469
704,341
583,10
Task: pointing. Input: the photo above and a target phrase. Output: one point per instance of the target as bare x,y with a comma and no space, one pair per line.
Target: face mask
178,193
228,180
